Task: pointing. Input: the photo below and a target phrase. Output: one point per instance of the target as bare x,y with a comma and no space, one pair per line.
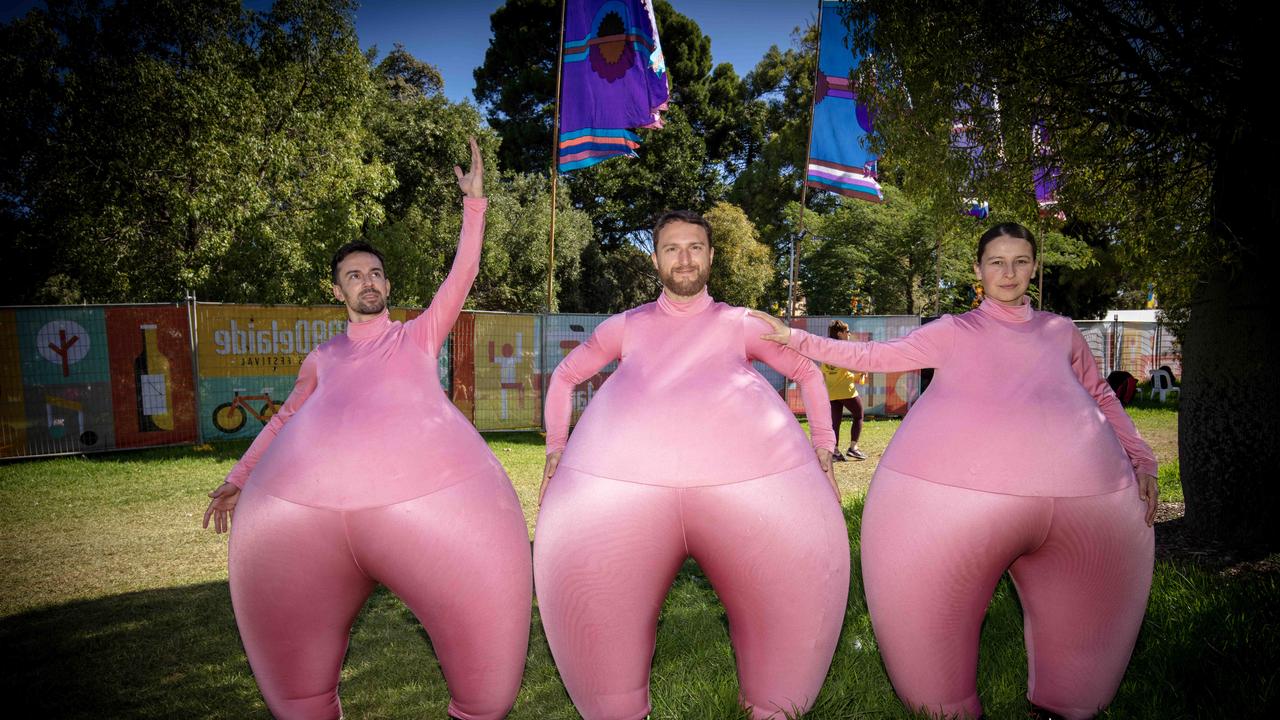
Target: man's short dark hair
684,216
354,247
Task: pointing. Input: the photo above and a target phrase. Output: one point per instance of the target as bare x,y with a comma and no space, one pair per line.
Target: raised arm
603,347
928,346
1141,456
224,497
432,327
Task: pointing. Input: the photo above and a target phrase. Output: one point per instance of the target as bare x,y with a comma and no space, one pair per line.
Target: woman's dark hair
1013,230
836,327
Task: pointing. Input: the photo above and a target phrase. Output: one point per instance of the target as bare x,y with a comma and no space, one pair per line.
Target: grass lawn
115,604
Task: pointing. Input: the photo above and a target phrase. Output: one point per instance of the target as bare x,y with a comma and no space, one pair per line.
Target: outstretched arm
813,390
224,497
928,346
432,327
603,347
1143,459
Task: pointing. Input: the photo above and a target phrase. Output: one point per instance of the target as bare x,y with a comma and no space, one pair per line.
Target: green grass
115,604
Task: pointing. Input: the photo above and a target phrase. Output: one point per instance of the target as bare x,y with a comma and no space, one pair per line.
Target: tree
1152,116
183,146
743,265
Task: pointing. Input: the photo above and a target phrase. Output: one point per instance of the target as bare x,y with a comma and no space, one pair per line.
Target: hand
781,333
1149,491
221,506
828,467
553,461
472,183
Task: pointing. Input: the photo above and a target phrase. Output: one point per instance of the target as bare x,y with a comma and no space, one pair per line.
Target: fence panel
1138,348
885,394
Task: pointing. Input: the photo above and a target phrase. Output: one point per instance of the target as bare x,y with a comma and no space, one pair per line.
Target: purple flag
1045,175
614,80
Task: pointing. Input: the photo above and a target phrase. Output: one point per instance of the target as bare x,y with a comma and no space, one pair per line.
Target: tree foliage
743,265
1152,115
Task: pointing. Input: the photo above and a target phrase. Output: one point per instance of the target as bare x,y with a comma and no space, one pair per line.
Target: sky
454,35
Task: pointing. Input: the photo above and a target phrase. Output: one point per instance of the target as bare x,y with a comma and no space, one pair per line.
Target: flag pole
555,163
804,173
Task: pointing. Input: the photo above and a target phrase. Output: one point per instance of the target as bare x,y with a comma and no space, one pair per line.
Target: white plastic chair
1162,384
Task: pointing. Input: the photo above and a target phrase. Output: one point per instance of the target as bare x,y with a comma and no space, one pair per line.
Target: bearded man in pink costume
687,451
366,475
1019,457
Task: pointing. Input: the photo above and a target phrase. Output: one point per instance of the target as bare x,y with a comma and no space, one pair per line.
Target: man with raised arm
367,475
687,451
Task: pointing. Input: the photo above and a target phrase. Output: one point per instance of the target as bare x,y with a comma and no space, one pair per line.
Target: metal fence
76,379
1139,348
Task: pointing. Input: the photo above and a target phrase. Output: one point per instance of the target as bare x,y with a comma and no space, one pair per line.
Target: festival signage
152,386
62,353
561,334
505,352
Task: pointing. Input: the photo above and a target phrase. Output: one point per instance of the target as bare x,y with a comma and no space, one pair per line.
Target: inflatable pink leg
932,555
1083,594
460,559
296,590
776,550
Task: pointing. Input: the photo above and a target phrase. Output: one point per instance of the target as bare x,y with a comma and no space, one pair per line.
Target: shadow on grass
1210,647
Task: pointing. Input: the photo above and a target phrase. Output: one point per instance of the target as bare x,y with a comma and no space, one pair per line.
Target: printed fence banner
66,379
152,385
508,394
1138,348
885,394
561,334
13,410
248,357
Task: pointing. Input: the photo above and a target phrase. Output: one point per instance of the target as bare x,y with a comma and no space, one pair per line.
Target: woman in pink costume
367,475
1020,458
686,451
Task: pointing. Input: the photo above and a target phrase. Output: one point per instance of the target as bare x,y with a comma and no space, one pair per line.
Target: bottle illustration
152,384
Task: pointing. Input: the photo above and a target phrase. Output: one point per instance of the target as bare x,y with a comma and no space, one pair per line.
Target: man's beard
370,305
688,286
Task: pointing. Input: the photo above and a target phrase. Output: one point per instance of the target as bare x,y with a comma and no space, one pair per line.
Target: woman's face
1005,269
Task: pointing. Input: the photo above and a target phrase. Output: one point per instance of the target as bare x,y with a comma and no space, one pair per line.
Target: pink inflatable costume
686,451
368,474
1018,457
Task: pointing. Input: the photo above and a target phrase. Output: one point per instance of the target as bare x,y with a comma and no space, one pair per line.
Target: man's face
362,284
682,256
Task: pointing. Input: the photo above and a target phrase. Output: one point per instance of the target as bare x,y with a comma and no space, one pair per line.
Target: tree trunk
1227,426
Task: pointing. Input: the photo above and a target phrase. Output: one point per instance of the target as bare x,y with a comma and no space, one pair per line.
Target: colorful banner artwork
508,394
614,80
152,386
839,156
561,334
13,411
66,380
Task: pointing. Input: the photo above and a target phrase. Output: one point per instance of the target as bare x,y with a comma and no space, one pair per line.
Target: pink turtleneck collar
688,308
1008,313
370,328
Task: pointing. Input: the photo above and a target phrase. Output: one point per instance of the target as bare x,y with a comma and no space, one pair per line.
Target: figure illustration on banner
509,380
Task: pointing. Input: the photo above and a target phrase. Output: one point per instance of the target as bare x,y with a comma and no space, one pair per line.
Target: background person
842,391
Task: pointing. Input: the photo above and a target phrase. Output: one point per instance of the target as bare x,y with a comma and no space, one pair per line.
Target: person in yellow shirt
842,391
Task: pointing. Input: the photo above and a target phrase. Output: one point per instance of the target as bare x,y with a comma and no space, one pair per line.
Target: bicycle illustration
231,416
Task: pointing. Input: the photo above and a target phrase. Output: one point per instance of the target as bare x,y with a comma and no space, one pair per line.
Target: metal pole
555,162
804,172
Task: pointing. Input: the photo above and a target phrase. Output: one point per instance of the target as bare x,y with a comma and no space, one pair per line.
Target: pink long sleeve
1013,407
302,389
433,326
928,346
1140,454
603,347
813,388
